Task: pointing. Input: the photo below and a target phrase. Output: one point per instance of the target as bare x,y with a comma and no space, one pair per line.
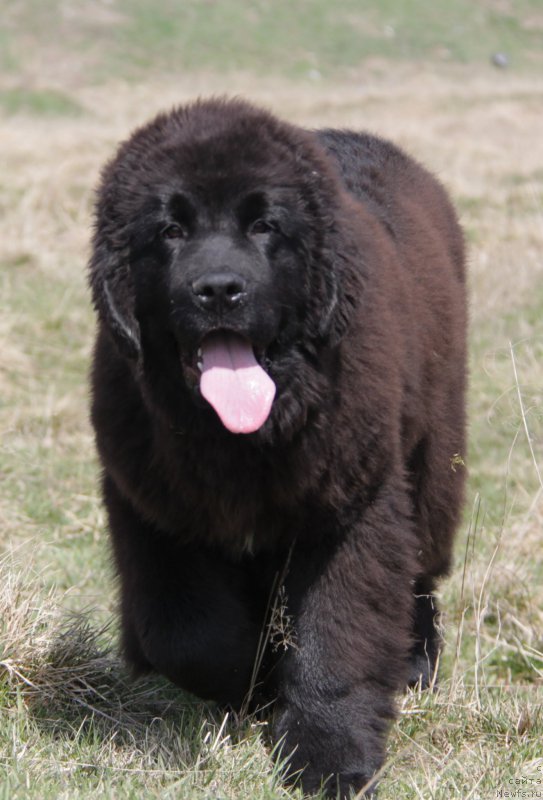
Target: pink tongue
234,383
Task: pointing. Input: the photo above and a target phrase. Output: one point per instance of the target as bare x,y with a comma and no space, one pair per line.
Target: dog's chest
224,498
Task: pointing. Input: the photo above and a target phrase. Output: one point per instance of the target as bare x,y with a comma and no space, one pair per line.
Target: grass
131,38
38,102
72,723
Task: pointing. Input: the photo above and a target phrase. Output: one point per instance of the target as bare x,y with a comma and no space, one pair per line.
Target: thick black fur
352,263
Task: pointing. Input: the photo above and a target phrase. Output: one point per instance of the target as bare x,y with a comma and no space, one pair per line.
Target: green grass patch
41,102
311,38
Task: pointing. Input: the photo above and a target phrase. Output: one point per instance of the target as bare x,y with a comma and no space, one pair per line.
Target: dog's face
218,269
209,226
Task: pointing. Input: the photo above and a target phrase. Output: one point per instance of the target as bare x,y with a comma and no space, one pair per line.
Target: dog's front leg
350,598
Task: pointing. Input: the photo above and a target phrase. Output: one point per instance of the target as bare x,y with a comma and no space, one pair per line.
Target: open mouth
233,381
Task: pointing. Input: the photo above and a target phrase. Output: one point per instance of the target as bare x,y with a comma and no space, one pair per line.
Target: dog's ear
114,298
333,257
340,287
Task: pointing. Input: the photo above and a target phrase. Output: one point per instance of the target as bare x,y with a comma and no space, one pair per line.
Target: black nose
219,291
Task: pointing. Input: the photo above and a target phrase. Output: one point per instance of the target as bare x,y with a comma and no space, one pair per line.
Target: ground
71,723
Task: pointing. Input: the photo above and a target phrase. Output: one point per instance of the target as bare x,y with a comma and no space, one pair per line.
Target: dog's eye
260,226
173,231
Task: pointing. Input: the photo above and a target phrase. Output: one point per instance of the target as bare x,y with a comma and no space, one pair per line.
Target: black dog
278,398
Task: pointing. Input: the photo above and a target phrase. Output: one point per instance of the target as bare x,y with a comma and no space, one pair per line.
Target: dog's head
217,242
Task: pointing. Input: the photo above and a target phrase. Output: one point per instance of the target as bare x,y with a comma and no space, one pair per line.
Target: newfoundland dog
278,399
